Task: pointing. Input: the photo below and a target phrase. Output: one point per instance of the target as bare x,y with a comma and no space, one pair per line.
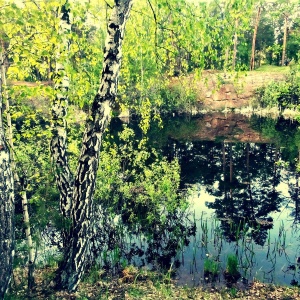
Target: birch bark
72,268
20,187
6,207
235,42
252,59
283,58
58,144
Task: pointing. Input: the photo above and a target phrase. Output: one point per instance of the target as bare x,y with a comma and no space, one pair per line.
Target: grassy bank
132,284
272,68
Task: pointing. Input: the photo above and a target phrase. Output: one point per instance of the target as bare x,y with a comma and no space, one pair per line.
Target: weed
95,275
211,267
231,273
135,292
233,292
130,274
232,265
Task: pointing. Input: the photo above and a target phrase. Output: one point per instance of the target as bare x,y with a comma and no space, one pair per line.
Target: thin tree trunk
226,64
252,59
230,169
296,199
276,158
235,42
224,158
249,179
31,254
20,186
284,40
72,268
224,165
6,207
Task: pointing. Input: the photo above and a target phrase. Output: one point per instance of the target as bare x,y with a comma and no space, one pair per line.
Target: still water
243,188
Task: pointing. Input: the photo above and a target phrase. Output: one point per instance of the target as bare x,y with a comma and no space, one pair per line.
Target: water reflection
245,192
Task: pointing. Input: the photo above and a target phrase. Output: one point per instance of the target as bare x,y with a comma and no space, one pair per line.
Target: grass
151,285
136,292
211,267
272,68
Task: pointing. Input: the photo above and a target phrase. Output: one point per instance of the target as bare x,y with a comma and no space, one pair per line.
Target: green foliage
211,267
293,43
233,292
139,190
171,39
232,265
283,94
95,274
283,133
179,96
137,182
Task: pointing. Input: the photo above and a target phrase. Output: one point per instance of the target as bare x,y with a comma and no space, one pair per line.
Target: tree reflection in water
249,183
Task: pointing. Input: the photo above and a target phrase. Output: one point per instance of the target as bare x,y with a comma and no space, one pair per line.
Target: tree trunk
296,199
226,64
31,256
284,40
72,268
58,144
235,42
252,59
20,187
230,168
6,207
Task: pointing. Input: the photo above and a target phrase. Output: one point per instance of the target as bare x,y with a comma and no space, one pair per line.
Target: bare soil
218,90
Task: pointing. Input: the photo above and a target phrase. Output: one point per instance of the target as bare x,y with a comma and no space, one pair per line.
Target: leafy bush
178,96
138,191
284,94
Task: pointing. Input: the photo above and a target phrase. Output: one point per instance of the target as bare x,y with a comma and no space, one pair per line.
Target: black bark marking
65,14
113,26
117,36
71,270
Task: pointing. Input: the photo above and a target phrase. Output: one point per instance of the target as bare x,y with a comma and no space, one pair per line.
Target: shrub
232,265
284,94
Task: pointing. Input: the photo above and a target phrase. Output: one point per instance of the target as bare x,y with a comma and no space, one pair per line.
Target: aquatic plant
211,267
232,265
231,274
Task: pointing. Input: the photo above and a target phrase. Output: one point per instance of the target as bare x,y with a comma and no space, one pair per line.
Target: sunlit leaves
136,182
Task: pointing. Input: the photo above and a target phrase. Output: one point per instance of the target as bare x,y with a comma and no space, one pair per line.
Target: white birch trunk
6,207
235,42
58,144
21,189
72,268
284,40
252,59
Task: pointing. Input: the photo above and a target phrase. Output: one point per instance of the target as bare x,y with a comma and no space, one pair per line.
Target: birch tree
6,205
20,185
256,23
72,267
285,10
58,144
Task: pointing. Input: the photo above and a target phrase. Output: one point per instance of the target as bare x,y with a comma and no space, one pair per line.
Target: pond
243,188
